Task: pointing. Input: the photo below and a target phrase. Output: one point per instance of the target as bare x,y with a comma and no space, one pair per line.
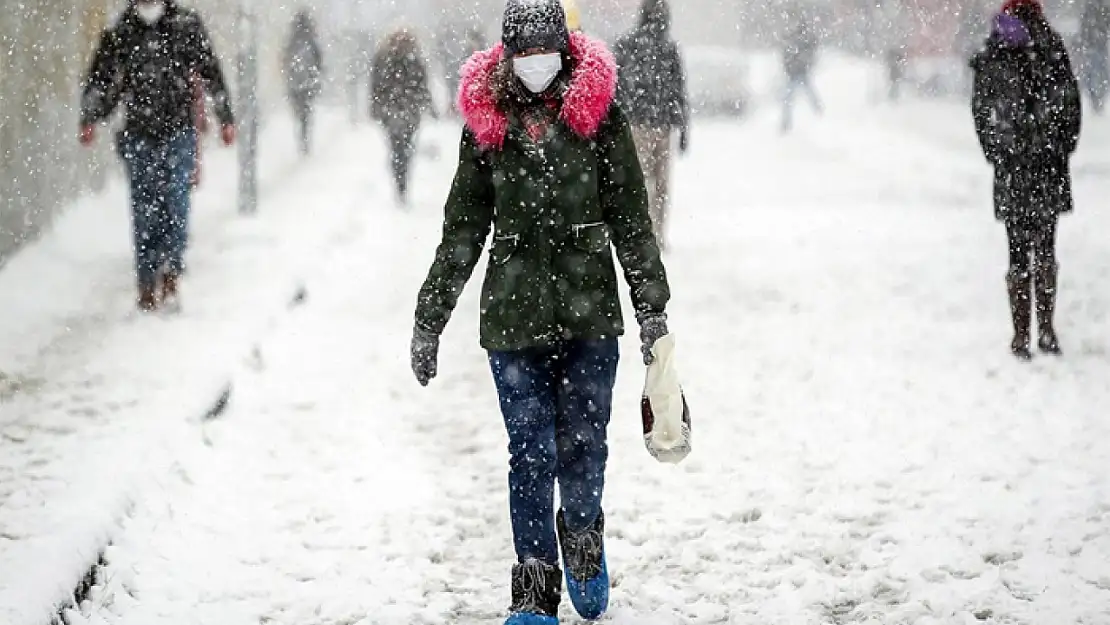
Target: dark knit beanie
532,24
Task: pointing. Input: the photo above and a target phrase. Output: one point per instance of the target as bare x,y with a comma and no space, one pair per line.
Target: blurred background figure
574,15
149,62
303,74
1027,115
891,42
651,91
1094,33
799,55
399,98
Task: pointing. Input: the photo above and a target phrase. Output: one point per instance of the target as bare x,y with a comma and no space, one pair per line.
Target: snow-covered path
866,450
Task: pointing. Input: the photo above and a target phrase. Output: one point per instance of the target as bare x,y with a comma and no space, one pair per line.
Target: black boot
587,572
1046,310
537,590
1020,285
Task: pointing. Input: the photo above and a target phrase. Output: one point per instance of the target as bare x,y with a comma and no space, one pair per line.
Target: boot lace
582,551
530,587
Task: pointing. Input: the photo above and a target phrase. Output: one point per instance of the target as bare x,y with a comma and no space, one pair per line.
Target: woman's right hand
424,355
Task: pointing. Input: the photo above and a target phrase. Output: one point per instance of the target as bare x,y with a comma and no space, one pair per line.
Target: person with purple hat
1026,107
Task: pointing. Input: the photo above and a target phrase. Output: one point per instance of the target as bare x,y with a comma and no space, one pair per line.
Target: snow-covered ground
866,450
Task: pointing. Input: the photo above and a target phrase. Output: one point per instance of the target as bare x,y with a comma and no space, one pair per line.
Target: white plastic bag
666,417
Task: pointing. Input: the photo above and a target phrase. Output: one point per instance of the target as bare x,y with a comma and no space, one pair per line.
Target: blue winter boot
587,573
537,590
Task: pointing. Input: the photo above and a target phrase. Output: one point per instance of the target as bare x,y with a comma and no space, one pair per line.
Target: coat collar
586,102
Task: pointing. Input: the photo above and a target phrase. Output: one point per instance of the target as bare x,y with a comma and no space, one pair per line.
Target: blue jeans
160,173
556,402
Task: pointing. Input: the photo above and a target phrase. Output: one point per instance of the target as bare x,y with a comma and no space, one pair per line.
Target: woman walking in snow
1026,106
399,97
548,163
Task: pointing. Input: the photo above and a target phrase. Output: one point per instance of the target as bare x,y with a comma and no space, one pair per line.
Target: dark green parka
556,207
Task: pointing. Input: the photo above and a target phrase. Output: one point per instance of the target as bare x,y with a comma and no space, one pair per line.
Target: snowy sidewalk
866,450
94,396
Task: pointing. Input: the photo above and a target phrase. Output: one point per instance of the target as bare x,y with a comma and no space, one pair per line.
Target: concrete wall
46,45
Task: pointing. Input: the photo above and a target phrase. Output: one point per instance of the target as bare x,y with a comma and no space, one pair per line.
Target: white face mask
538,71
150,12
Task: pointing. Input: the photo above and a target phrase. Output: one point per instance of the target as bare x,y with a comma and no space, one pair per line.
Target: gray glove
424,354
652,328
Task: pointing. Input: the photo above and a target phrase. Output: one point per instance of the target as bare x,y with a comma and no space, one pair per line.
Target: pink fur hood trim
593,85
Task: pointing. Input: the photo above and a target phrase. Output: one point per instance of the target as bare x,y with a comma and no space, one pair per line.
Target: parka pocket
503,248
593,237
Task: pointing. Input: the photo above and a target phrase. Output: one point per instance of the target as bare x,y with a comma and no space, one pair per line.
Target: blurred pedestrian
652,93
892,41
399,98
1094,35
799,55
1026,107
147,62
304,67
547,163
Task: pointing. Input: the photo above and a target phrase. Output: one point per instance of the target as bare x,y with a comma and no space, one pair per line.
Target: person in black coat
1026,107
303,74
651,90
149,63
400,96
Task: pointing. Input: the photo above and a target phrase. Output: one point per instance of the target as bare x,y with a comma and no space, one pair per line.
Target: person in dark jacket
651,91
147,63
399,98
1026,107
1094,36
303,74
799,55
547,162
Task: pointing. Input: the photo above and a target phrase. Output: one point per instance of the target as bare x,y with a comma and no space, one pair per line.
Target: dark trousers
556,404
160,174
1031,239
303,109
402,147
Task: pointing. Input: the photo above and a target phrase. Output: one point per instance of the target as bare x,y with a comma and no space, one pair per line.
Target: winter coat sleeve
982,95
208,68
468,217
424,92
624,202
378,77
1068,120
682,99
101,92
